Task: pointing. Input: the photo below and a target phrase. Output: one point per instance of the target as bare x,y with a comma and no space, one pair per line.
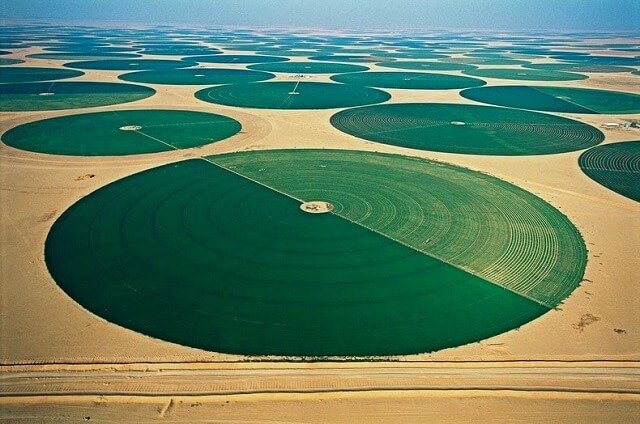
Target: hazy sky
344,14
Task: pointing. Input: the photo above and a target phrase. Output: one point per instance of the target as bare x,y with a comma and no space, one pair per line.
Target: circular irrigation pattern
615,166
129,64
409,80
556,99
217,254
68,95
197,76
416,65
308,67
347,58
572,67
488,62
7,61
237,58
467,129
292,95
83,56
524,74
126,132
33,74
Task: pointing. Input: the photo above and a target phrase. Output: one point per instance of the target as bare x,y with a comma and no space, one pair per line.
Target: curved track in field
467,129
615,166
54,95
292,95
216,254
556,99
125,132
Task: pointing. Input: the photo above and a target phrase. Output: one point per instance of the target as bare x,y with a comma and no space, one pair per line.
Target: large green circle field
129,64
56,95
308,67
217,254
237,58
292,95
467,129
417,65
18,74
9,62
574,67
524,74
197,76
556,99
409,80
615,166
121,132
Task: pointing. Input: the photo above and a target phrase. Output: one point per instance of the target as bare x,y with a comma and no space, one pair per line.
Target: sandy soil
39,324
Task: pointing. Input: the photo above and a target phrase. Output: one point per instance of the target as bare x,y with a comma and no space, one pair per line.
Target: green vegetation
556,99
99,134
68,95
129,64
196,76
615,166
524,74
292,95
466,129
425,65
308,67
237,58
20,74
408,80
195,253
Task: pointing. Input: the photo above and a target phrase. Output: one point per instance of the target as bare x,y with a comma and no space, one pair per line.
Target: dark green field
615,166
67,135
56,95
197,254
292,95
18,74
525,74
467,129
196,76
129,64
556,99
409,80
308,67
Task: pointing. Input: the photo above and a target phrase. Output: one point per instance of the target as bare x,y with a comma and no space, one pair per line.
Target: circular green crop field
126,132
466,129
197,76
409,80
416,65
556,99
292,95
418,54
488,61
217,254
309,67
32,74
524,74
615,166
573,67
129,64
68,95
83,56
348,58
237,58
7,62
